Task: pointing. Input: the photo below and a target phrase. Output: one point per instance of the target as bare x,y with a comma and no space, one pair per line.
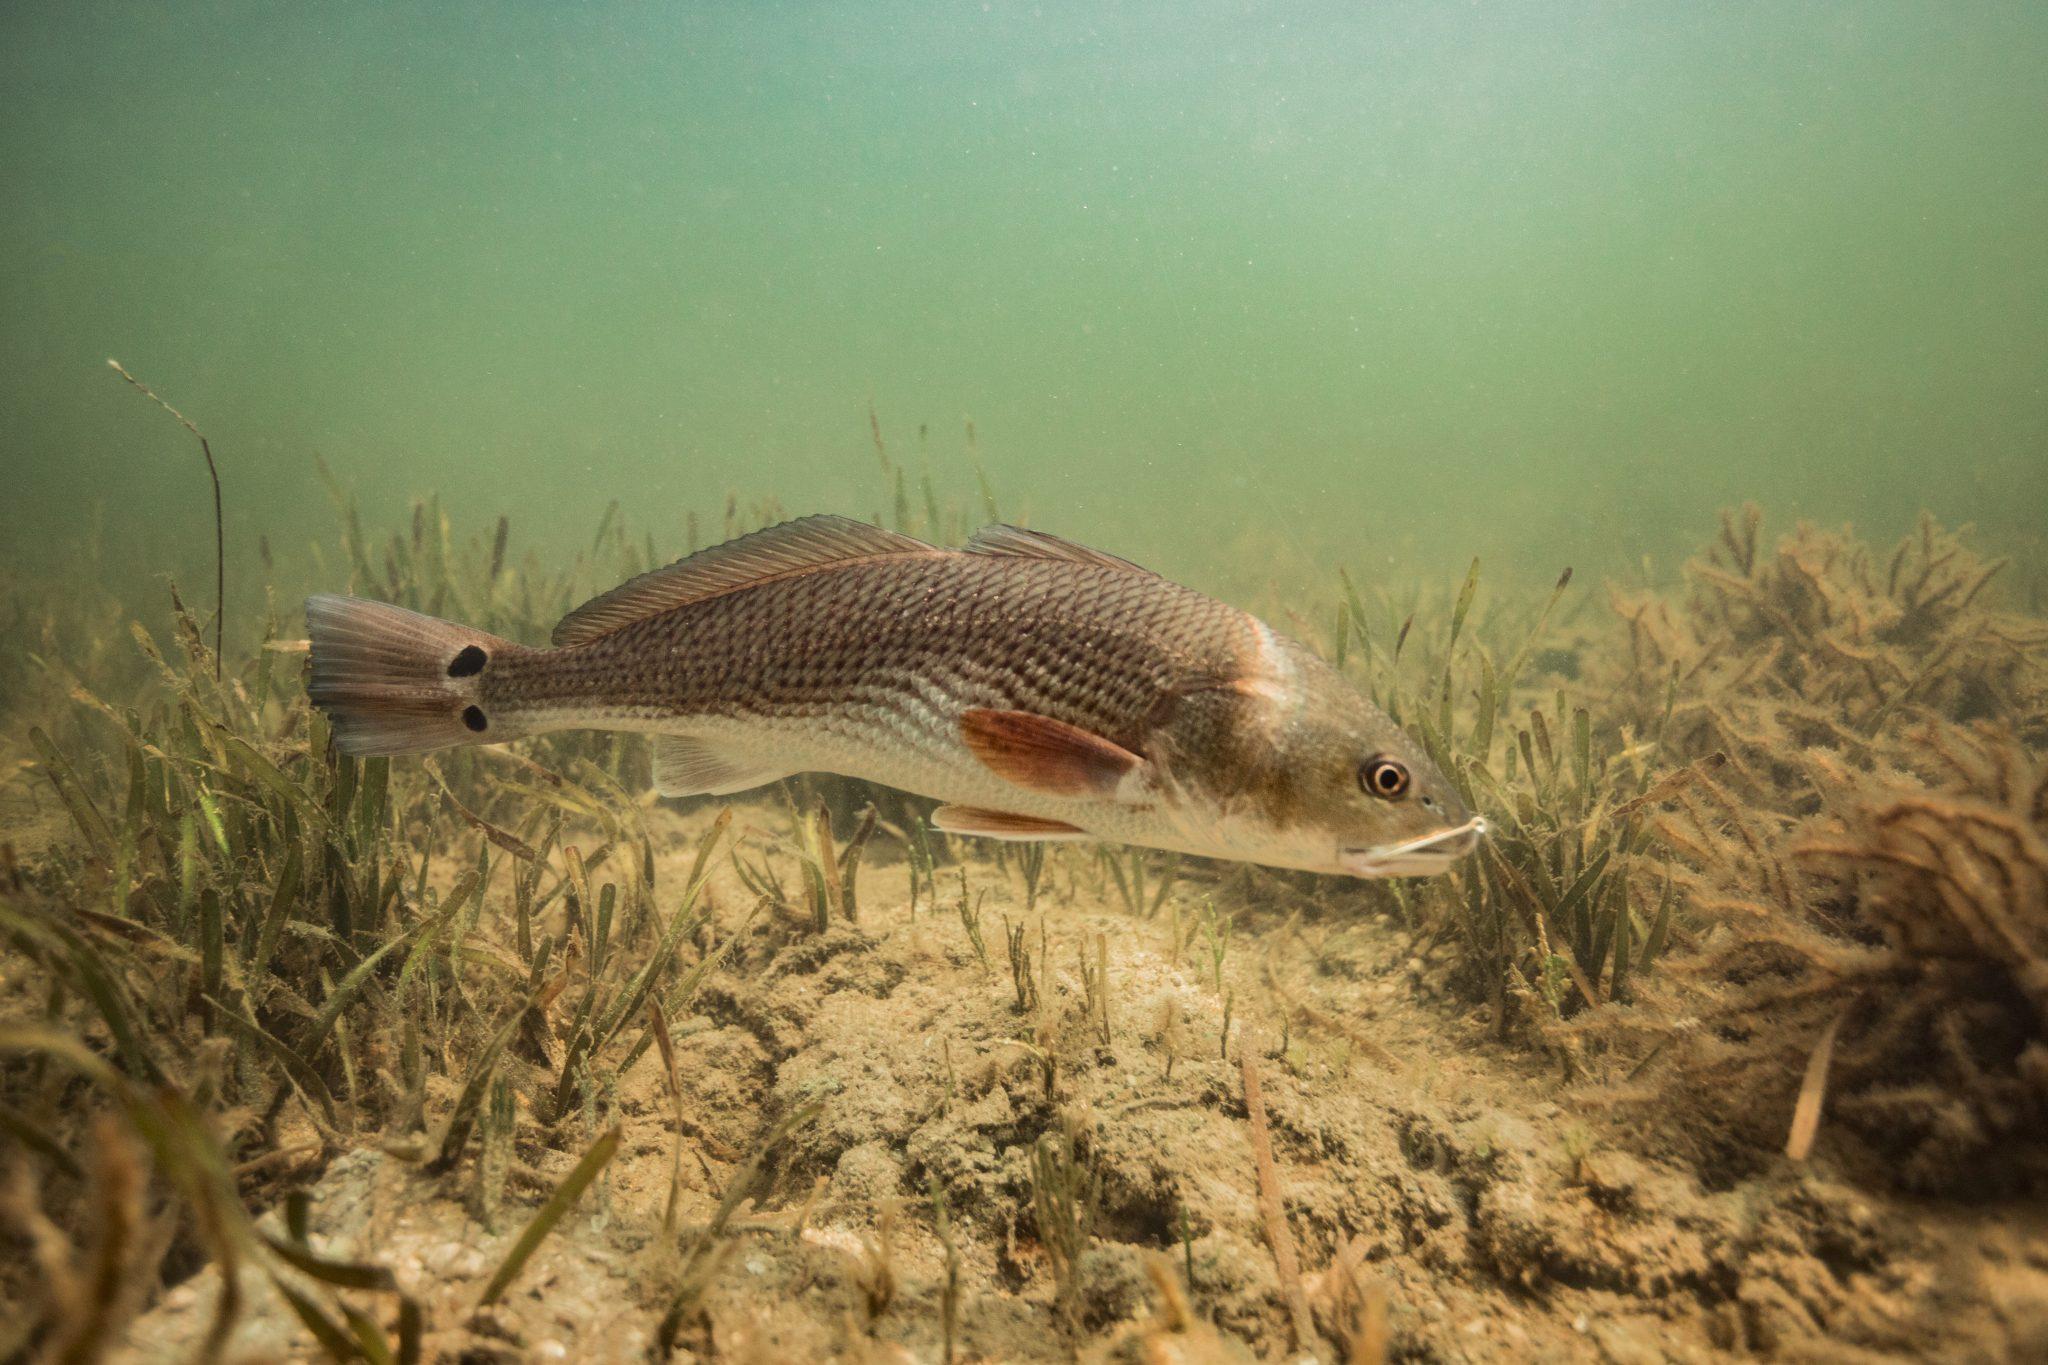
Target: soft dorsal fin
784,551
1015,540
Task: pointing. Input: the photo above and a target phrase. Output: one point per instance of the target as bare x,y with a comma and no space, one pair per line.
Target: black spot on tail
473,717
468,664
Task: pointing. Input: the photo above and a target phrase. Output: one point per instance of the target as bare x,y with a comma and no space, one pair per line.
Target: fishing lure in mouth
1039,689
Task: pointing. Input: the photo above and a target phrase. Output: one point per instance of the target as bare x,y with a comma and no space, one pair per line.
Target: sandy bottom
1448,1197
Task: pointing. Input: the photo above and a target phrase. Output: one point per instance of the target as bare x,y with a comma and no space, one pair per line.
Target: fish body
1039,689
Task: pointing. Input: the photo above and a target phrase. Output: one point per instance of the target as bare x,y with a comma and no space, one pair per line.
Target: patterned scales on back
818,643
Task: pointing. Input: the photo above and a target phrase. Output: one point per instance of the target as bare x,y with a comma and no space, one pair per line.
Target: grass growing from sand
1800,800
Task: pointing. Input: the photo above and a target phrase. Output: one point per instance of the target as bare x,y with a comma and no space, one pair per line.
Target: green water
1401,283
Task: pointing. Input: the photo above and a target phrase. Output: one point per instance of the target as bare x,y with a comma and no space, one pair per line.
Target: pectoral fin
685,765
1047,755
1001,824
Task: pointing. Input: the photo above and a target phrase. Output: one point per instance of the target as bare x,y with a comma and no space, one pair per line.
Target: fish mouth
1423,857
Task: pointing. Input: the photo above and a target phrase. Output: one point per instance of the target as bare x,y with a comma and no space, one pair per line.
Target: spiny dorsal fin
784,551
1015,540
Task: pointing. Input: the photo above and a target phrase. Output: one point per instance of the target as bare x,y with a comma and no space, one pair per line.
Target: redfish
1039,689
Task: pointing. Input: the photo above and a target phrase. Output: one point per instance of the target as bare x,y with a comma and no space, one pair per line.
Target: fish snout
1420,857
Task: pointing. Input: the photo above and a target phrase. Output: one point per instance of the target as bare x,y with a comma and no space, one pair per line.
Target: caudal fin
394,681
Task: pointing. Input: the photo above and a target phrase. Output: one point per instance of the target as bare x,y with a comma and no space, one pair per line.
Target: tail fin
395,682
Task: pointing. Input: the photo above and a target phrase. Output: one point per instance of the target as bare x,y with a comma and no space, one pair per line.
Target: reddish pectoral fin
1001,824
1047,755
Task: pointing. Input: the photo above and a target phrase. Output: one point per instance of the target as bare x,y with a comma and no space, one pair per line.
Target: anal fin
1002,824
685,765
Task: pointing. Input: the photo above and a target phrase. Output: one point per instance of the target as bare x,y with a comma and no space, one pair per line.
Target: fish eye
1383,777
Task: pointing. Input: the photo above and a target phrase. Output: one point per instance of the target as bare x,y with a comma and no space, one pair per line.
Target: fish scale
1039,688
1069,641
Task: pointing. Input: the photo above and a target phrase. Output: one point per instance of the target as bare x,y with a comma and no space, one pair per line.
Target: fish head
1331,784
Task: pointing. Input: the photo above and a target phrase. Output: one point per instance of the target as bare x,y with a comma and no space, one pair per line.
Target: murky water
1727,1035
1402,284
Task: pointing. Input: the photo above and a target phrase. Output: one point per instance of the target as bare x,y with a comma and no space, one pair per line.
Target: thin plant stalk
220,553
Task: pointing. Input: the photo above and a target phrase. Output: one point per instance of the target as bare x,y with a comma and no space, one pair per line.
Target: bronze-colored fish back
1092,644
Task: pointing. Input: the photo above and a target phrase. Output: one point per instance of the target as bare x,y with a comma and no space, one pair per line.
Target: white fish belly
917,759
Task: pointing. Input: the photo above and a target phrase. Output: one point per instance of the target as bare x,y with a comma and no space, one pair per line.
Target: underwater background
1405,283
1644,404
